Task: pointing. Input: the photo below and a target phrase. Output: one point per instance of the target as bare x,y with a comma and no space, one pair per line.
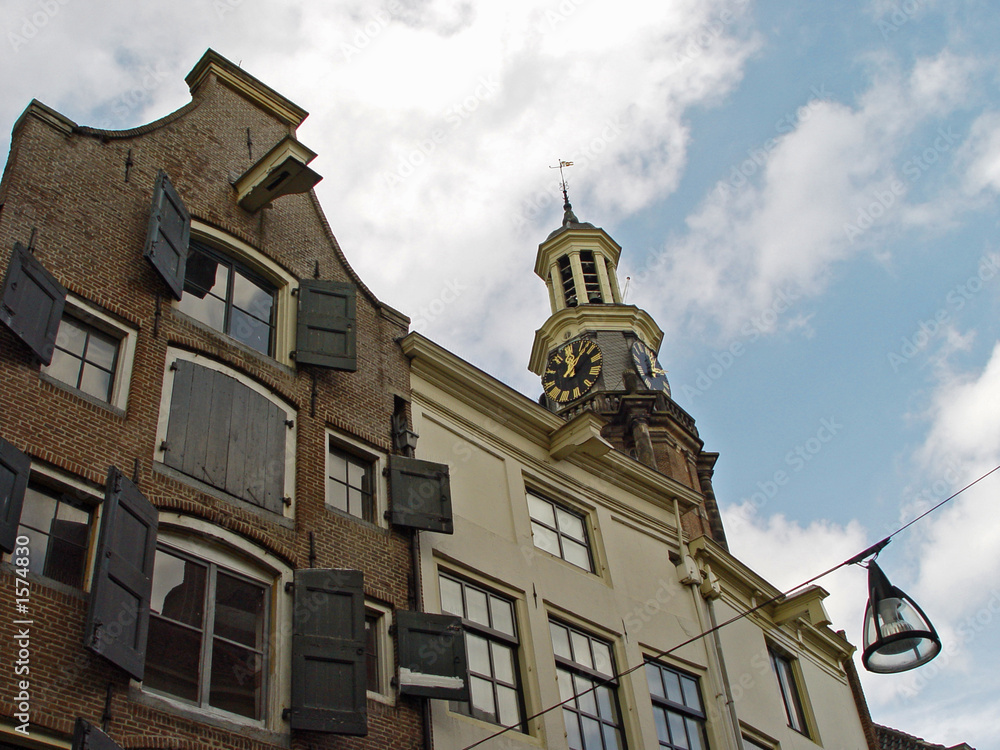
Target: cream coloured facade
584,574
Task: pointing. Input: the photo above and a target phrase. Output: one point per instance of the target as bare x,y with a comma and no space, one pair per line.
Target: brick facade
81,197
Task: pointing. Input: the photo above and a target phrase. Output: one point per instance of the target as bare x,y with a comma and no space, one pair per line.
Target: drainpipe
725,675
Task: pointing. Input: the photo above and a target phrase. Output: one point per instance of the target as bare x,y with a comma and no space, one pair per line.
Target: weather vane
562,178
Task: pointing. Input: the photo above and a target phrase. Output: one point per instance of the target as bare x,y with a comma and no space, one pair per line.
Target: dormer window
591,280
569,288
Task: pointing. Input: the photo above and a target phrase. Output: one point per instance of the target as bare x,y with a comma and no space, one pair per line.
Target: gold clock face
646,364
572,371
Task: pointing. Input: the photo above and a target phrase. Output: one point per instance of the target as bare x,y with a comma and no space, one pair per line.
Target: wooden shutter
14,469
326,334
32,303
227,435
88,737
118,618
432,660
328,652
421,494
168,234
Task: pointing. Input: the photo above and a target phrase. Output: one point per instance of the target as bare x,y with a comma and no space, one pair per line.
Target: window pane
71,336
173,655
64,367
605,703
254,333
510,714
694,734
482,697
581,649
451,597
356,474
677,731
572,730
338,465
203,274
209,310
541,510
96,382
336,494
503,662
371,653
251,297
355,502
178,589
565,680
236,679
611,738
101,349
602,658
570,525
479,654
661,725
545,539
691,697
475,603
672,681
591,733
585,697
560,640
38,510
502,615
239,610
67,554
576,554
654,680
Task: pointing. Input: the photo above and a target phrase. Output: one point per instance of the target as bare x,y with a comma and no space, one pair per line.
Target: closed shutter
227,435
328,652
32,303
168,234
14,469
88,737
118,618
432,660
421,494
326,334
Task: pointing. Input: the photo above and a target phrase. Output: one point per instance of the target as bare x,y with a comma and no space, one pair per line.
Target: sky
806,197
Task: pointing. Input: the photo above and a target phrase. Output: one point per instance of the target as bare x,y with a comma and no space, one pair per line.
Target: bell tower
595,353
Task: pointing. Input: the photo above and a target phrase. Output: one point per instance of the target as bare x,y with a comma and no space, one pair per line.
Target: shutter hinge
164,446
286,714
289,586
385,471
295,292
287,500
386,515
393,629
291,354
289,423
173,366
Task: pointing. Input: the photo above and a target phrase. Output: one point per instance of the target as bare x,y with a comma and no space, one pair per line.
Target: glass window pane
691,697
576,554
203,274
451,597
502,615
96,382
678,734
239,610
560,640
476,606
672,681
573,736
178,589
541,510
251,297
565,680
71,336
236,679
356,474
64,367
605,703
611,738
355,502
654,680
503,662
336,494
209,310
67,553
585,697
173,655
479,654
254,333
661,725
371,653
545,539
602,658
482,697
101,349
591,733
581,649
694,734
571,525
38,510
337,463
510,714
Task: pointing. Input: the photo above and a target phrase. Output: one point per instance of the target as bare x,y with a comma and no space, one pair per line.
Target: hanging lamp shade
897,635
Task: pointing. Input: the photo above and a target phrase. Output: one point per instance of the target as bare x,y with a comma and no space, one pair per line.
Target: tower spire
568,215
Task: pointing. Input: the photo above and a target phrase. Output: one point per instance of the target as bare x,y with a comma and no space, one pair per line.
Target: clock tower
596,354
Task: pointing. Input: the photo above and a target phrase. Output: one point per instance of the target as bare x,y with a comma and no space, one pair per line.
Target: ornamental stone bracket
582,434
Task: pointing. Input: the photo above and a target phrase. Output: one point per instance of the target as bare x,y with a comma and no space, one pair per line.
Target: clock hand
570,365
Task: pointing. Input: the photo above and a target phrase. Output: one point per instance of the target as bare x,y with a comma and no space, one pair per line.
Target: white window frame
386,654
161,425
286,286
207,542
585,517
92,315
378,461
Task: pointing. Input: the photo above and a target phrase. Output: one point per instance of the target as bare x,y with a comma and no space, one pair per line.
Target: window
373,678
229,297
751,744
585,670
350,483
58,527
591,280
491,643
785,674
677,708
378,652
566,275
207,634
559,531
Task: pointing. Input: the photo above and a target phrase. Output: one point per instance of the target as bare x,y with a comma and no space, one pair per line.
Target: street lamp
897,634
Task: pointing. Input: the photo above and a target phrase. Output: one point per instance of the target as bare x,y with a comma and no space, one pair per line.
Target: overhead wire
868,552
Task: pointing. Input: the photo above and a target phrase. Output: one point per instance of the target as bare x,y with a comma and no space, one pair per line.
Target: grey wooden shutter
14,469
32,303
88,737
421,494
329,673
227,435
432,659
168,234
326,334
118,618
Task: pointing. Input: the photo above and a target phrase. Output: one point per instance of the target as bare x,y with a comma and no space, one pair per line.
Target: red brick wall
91,227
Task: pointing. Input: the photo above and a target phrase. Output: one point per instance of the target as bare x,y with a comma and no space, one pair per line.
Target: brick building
200,397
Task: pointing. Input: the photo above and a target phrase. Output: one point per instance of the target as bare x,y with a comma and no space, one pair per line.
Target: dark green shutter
432,660
118,618
88,737
326,334
328,652
421,494
32,303
168,234
227,435
14,469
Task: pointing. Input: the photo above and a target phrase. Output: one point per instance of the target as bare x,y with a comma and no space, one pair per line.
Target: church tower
597,354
